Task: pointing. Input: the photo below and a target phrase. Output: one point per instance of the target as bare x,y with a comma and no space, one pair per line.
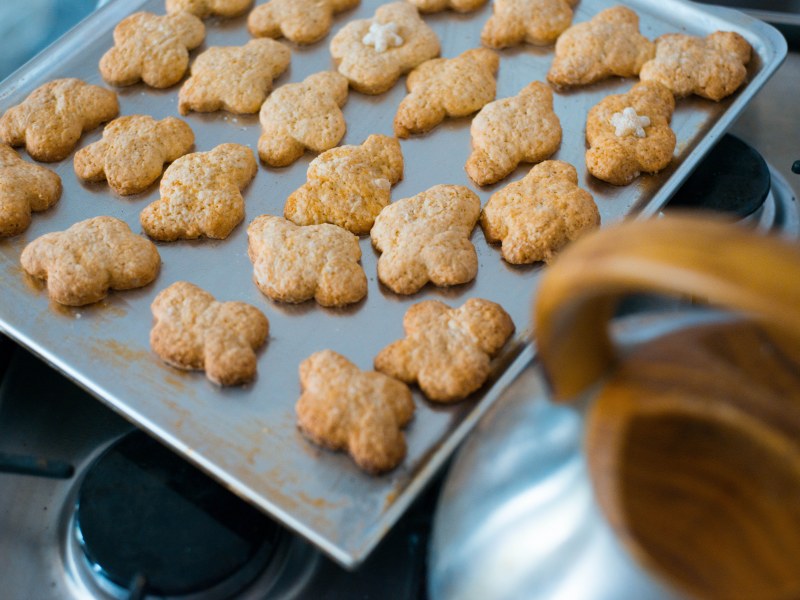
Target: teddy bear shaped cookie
201,194
295,264
629,134
538,215
374,53
82,263
360,412
193,331
24,188
523,128
152,143
348,186
152,48
302,116
208,8
233,78
537,22
426,238
432,6
441,87
607,45
301,21
447,351
712,67
51,120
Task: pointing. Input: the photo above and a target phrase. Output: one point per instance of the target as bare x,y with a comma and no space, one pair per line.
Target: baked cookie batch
312,252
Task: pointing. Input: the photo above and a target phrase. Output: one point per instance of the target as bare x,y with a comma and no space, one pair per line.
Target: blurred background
27,26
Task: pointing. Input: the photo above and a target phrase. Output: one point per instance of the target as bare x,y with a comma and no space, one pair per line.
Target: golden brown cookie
201,194
301,21
133,151
629,134
447,351
233,78
361,412
541,213
24,188
523,128
348,186
295,264
207,8
300,116
537,22
713,67
609,44
432,6
152,48
426,238
50,121
374,53
442,87
82,263
193,331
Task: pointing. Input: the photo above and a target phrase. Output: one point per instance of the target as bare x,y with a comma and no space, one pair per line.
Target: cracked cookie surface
294,264
447,351
193,331
538,215
360,412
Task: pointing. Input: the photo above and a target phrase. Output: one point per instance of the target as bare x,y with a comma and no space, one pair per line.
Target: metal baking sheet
246,436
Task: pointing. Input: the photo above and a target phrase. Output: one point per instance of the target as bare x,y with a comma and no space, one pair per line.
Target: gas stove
119,516
113,514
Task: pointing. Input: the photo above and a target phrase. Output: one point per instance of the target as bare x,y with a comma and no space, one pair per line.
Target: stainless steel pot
644,485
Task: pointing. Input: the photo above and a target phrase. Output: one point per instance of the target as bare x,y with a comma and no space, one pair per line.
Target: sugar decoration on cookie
629,134
374,53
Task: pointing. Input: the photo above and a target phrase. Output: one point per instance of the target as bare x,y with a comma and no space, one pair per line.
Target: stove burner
147,519
732,178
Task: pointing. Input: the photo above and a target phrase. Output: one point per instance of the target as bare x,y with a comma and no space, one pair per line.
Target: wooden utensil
693,441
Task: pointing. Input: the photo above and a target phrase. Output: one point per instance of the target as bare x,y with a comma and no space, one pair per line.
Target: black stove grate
145,518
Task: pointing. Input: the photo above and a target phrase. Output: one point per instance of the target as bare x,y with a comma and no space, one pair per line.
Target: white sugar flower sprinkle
382,36
629,123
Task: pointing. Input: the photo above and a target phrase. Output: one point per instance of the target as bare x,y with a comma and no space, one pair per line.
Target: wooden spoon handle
715,261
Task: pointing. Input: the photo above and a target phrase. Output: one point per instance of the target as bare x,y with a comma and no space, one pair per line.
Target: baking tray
246,436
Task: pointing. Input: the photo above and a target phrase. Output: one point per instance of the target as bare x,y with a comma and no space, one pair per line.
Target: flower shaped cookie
617,153
50,121
348,186
426,238
133,151
447,351
442,87
295,264
233,78
609,44
201,195
82,263
539,214
300,116
713,67
194,331
523,128
373,64
24,188
361,412
301,21
537,22
152,48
